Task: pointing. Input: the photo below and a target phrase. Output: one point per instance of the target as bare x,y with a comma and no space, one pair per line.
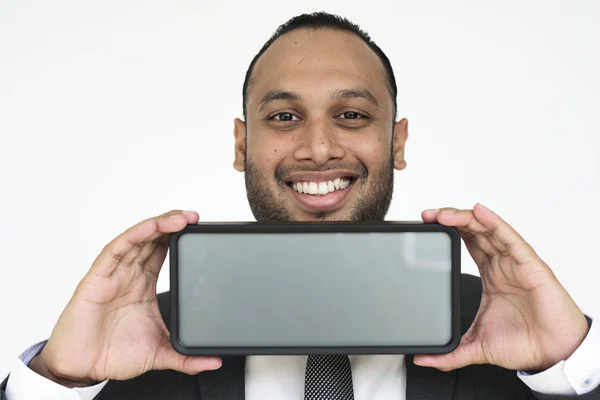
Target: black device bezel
312,227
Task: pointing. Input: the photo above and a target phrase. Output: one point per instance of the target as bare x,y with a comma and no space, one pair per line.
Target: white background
111,112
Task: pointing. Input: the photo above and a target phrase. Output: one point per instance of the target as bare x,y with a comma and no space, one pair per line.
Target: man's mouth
321,193
321,188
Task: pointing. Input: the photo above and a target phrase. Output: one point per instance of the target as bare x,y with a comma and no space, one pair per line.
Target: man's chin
338,215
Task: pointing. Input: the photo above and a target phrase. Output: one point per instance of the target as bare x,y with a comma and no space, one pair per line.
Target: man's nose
319,142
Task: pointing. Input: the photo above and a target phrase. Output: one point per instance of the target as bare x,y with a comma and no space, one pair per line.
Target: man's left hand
526,320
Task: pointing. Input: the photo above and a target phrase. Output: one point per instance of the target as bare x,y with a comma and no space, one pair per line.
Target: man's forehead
302,53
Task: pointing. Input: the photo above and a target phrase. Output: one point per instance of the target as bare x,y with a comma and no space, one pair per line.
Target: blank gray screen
314,289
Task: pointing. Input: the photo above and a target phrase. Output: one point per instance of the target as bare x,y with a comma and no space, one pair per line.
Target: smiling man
319,141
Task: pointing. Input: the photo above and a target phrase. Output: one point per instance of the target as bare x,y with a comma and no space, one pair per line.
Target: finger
153,254
139,254
467,353
156,259
168,358
430,215
138,235
509,238
123,250
149,257
468,223
471,230
134,255
477,253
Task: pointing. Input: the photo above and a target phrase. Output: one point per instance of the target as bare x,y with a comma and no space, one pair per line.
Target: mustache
359,169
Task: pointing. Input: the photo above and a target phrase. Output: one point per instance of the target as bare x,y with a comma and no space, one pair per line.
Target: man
319,107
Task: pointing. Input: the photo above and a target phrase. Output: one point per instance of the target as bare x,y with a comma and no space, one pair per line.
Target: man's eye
284,117
351,115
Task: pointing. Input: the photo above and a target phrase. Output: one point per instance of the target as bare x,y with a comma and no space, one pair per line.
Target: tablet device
315,288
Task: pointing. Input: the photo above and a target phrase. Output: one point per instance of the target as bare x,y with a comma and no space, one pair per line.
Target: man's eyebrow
353,93
273,95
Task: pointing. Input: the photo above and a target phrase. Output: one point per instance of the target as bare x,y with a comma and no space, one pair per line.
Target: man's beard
269,206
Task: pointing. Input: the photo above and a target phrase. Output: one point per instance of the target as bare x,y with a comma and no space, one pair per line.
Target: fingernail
188,212
433,210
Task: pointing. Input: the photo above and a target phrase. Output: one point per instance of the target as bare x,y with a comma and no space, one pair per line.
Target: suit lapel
428,383
226,382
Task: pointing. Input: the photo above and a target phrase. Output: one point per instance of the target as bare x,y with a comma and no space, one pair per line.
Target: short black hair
320,20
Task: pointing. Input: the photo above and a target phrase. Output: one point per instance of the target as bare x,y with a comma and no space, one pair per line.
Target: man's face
317,143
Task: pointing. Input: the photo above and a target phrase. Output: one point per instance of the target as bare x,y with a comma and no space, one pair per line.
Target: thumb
467,353
168,358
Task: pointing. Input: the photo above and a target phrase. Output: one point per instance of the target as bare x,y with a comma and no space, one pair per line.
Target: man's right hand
112,327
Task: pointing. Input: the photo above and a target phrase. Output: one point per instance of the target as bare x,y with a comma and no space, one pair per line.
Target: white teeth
321,188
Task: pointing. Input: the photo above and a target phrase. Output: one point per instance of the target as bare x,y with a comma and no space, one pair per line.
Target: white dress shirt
373,376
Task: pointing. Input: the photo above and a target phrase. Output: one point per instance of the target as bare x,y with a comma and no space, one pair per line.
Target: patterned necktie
328,377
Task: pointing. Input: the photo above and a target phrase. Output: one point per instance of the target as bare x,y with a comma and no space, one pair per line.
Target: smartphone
315,288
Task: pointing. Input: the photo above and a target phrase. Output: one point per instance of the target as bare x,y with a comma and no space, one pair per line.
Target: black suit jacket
470,383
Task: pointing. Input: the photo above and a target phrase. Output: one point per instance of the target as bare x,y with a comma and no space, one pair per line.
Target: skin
320,136
112,329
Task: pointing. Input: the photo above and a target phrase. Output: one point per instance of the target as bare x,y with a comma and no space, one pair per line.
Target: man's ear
239,131
400,138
